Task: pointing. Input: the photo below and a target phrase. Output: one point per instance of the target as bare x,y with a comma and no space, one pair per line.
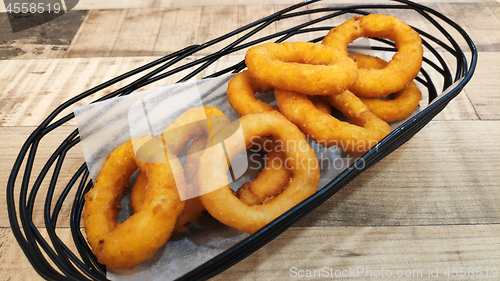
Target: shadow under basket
447,49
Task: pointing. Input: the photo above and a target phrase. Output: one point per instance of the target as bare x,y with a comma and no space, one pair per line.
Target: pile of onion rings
295,70
155,195
308,80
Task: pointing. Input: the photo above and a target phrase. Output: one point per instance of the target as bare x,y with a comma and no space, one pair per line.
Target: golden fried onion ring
241,91
271,181
193,208
126,244
321,104
241,95
176,141
404,65
219,199
307,68
403,102
325,129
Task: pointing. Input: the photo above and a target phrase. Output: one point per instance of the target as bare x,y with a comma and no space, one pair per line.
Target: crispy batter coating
125,245
193,208
308,68
219,199
271,181
321,104
403,67
189,129
241,94
403,102
327,130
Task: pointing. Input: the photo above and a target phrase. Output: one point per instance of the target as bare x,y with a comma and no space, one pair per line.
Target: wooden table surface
433,203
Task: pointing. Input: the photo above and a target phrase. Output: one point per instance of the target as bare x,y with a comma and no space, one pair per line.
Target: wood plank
12,139
249,14
139,33
441,176
215,22
125,4
483,89
109,33
97,34
179,29
49,40
13,263
31,89
416,248
460,108
482,24
285,24
416,184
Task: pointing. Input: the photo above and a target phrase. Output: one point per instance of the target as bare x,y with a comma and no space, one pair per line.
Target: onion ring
218,198
321,104
126,244
270,182
241,91
404,102
329,131
241,95
403,67
307,68
193,208
190,129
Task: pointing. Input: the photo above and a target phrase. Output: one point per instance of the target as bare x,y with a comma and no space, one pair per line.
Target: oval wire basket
54,260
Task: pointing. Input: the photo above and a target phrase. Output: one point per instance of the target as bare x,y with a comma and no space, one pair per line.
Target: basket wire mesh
54,260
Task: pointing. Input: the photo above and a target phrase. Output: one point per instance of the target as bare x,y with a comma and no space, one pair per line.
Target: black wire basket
54,260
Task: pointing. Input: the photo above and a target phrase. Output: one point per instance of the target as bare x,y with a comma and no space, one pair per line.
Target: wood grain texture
339,248
50,40
12,139
431,203
482,23
414,248
14,265
124,4
440,177
99,32
483,90
139,32
113,33
440,171
31,89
